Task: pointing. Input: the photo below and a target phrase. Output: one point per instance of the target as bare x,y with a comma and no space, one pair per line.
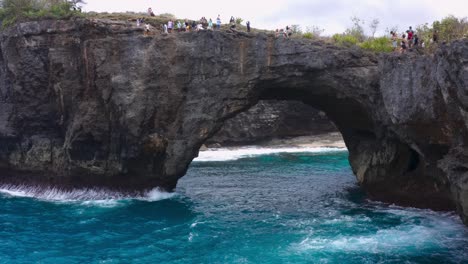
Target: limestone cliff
95,103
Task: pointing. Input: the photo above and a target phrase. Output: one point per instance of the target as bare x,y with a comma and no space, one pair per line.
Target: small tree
373,26
296,29
424,33
391,29
313,32
451,28
239,21
357,29
77,3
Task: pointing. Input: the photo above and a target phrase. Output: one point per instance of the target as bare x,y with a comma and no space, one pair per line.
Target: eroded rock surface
95,103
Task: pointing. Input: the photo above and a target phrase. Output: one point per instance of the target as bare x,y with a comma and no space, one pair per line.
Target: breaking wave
227,154
86,196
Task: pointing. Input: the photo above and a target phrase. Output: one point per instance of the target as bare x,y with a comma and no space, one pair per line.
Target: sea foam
416,232
227,154
86,196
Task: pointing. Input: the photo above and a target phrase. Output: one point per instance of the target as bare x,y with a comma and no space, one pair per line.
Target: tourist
204,22
150,12
287,32
248,26
435,36
138,22
410,33
194,25
232,22
210,24
178,26
165,29
403,44
394,40
218,22
147,29
200,27
415,41
170,25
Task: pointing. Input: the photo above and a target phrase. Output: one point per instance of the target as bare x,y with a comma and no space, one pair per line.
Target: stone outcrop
271,119
95,103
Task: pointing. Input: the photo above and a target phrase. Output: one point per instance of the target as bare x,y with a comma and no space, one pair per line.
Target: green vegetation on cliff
448,29
12,11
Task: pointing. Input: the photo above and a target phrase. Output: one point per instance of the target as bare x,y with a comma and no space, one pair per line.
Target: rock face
270,119
95,103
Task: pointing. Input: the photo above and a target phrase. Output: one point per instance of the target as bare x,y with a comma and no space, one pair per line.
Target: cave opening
413,161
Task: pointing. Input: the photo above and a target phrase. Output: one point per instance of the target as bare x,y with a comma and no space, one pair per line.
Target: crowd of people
409,41
284,32
187,25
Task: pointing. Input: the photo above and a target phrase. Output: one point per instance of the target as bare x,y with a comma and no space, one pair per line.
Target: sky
334,16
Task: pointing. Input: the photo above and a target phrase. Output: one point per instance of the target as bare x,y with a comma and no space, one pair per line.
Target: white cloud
332,15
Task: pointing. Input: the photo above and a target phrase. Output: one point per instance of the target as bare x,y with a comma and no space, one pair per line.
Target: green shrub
308,35
357,30
381,44
345,40
312,32
451,28
448,29
168,16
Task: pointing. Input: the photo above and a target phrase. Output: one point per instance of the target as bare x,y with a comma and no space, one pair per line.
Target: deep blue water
275,208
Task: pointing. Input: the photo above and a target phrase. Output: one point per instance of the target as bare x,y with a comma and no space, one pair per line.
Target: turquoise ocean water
268,208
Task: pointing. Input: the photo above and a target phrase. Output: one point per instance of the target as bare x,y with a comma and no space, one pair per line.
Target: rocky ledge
96,103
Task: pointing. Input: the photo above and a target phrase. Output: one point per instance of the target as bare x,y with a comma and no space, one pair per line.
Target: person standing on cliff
248,26
410,37
287,32
435,36
170,26
218,22
232,21
150,12
194,25
147,29
403,44
415,41
210,24
394,40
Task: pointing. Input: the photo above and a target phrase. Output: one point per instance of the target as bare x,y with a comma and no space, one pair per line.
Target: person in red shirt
410,37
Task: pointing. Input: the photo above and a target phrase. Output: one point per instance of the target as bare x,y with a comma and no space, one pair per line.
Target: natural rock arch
91,103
